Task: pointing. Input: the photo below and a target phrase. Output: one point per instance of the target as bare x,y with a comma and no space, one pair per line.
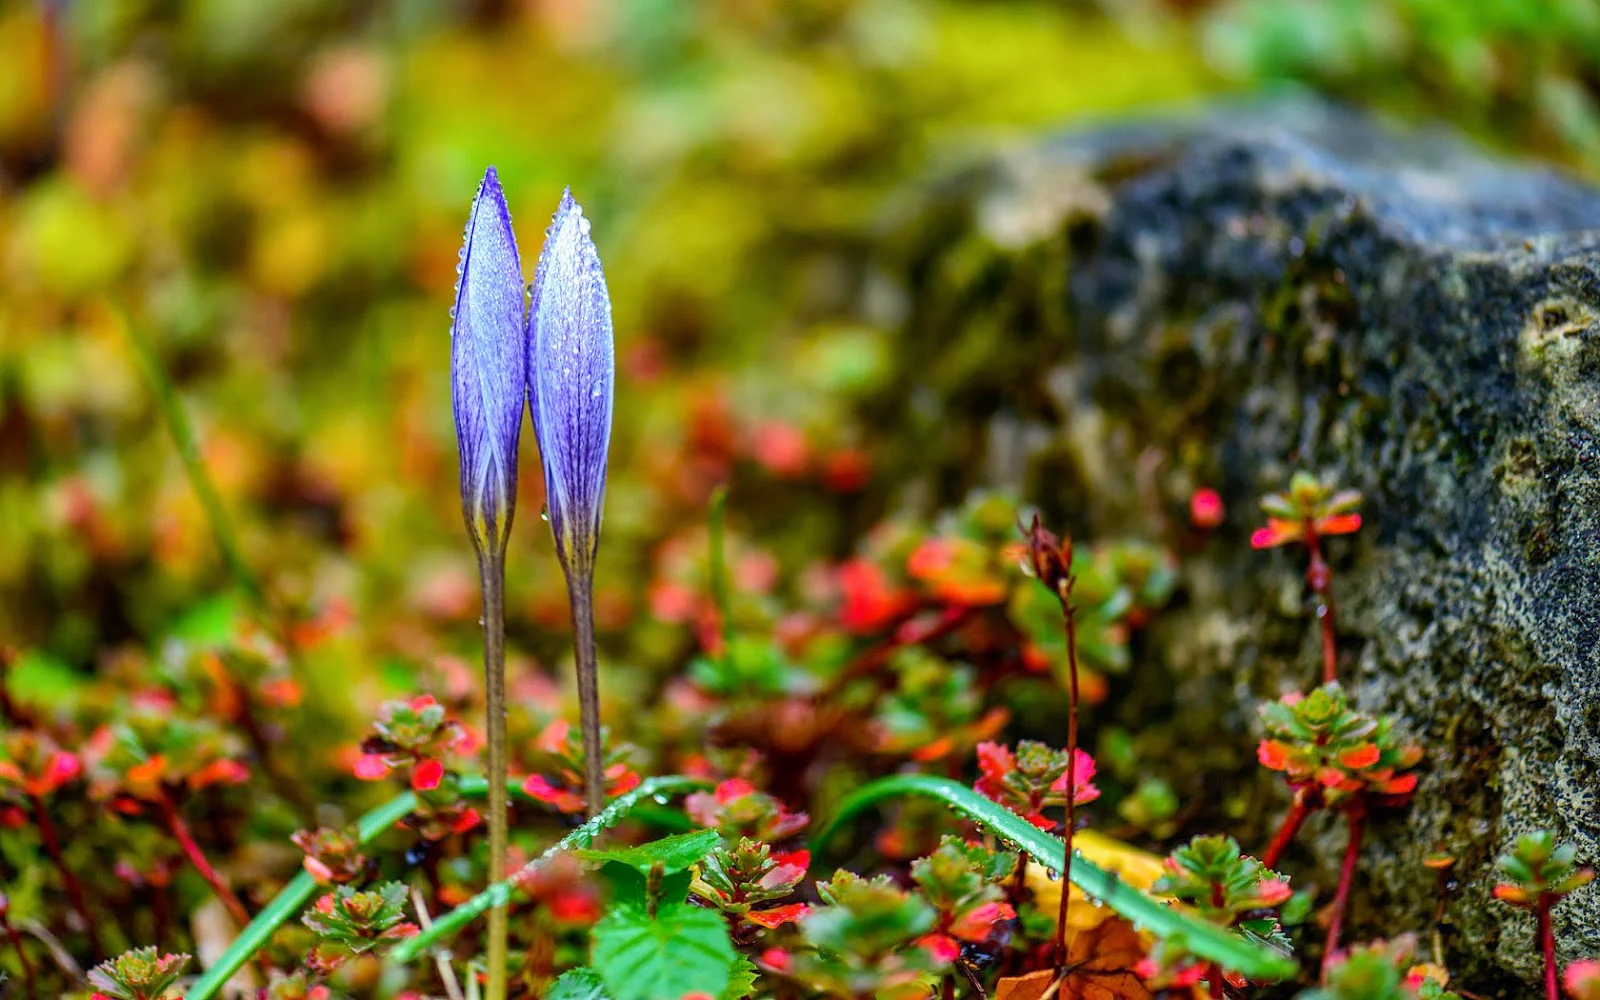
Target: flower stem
1320,578
581,589
1547,944
1347,875
1072,769
492,571
1286,832
1214,982
69,881
197,858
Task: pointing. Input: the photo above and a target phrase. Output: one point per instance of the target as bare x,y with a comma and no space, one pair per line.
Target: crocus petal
571,382
487,367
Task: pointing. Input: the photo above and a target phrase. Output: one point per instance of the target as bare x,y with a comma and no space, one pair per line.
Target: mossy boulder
1107,321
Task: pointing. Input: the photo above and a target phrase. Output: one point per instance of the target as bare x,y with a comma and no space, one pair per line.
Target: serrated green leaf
675,854
683,949
631,888
1203,939
582,983
741,981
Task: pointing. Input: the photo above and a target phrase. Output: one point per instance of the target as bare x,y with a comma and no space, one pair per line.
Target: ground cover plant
778,737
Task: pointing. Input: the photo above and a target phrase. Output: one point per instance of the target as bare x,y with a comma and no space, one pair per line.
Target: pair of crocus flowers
557,354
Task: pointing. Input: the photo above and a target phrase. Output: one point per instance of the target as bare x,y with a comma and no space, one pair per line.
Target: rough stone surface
1107,321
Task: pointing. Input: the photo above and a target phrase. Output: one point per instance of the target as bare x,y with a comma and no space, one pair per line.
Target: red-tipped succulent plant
1309,509
1319,741
737,809
558,780
141,974
1227,888
1033,779
961,881
744,879
349,922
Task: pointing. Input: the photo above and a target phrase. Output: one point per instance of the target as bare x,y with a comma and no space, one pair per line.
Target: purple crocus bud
487,368
571,377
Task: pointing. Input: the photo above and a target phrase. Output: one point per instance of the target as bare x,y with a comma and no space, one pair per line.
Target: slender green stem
717,563
499,894
580,588
183,436
492,569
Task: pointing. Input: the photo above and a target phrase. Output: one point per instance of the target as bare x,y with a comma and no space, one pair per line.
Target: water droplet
660,800
544,512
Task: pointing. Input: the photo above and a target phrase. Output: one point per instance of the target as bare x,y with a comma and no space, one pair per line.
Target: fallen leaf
1100,964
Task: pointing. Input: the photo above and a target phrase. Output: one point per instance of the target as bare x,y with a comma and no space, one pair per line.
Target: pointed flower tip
488,366
572,369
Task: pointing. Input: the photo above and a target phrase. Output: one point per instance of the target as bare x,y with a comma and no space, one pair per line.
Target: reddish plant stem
28,985
197,858
1357,814
1296,817
1547,944
1319,576
900,636
162,912
69,881
1072,767
1214,982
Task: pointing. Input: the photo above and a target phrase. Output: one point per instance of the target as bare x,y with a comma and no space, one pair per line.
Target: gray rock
1110,320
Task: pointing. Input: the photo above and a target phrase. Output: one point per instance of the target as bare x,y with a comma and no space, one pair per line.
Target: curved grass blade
1203,939
448,923
187,442
293,896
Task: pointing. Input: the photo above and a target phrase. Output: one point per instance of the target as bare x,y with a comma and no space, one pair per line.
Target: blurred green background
267,199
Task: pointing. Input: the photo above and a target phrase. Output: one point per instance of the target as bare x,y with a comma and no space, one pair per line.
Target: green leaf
630,888
501,892
683,949
742,981
1203,939
582,983
675,854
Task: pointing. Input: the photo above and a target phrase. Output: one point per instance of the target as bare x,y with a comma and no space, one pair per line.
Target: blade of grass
716,562
1203,939
447,924
183,436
